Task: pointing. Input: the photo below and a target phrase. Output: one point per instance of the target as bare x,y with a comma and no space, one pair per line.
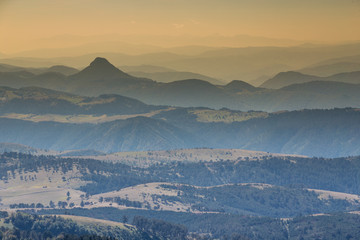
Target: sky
26,24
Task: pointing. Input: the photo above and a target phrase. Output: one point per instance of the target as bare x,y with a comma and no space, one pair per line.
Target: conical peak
102,67
100,62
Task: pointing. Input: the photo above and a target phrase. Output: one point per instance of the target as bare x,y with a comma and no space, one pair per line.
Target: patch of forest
337,174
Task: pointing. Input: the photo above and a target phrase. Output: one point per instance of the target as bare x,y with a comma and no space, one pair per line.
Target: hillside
245,199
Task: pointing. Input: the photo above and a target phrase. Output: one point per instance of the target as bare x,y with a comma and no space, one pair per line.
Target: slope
133,134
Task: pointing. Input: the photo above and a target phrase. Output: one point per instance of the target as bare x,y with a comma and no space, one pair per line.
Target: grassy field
226,116
147,158
93,221
77,118
41,187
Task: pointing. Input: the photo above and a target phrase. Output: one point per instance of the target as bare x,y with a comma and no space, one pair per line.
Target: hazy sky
23,21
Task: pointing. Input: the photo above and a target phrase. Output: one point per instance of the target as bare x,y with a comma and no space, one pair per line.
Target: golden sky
31,24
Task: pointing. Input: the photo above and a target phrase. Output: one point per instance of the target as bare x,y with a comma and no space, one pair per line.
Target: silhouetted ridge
192,82
284,79
288,78
239,86
101,68
65,70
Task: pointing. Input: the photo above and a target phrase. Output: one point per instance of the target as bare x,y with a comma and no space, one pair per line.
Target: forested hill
321,133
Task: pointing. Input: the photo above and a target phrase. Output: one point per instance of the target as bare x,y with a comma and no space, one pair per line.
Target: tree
39,205
52,204
125,219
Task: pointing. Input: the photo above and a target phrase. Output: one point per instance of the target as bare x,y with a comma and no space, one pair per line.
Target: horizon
63,24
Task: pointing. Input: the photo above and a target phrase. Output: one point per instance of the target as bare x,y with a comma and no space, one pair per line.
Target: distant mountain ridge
65,70
325,70
284,79
175,76
237,86
246,63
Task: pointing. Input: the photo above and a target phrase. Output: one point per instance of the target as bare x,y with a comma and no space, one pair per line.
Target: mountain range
101,77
